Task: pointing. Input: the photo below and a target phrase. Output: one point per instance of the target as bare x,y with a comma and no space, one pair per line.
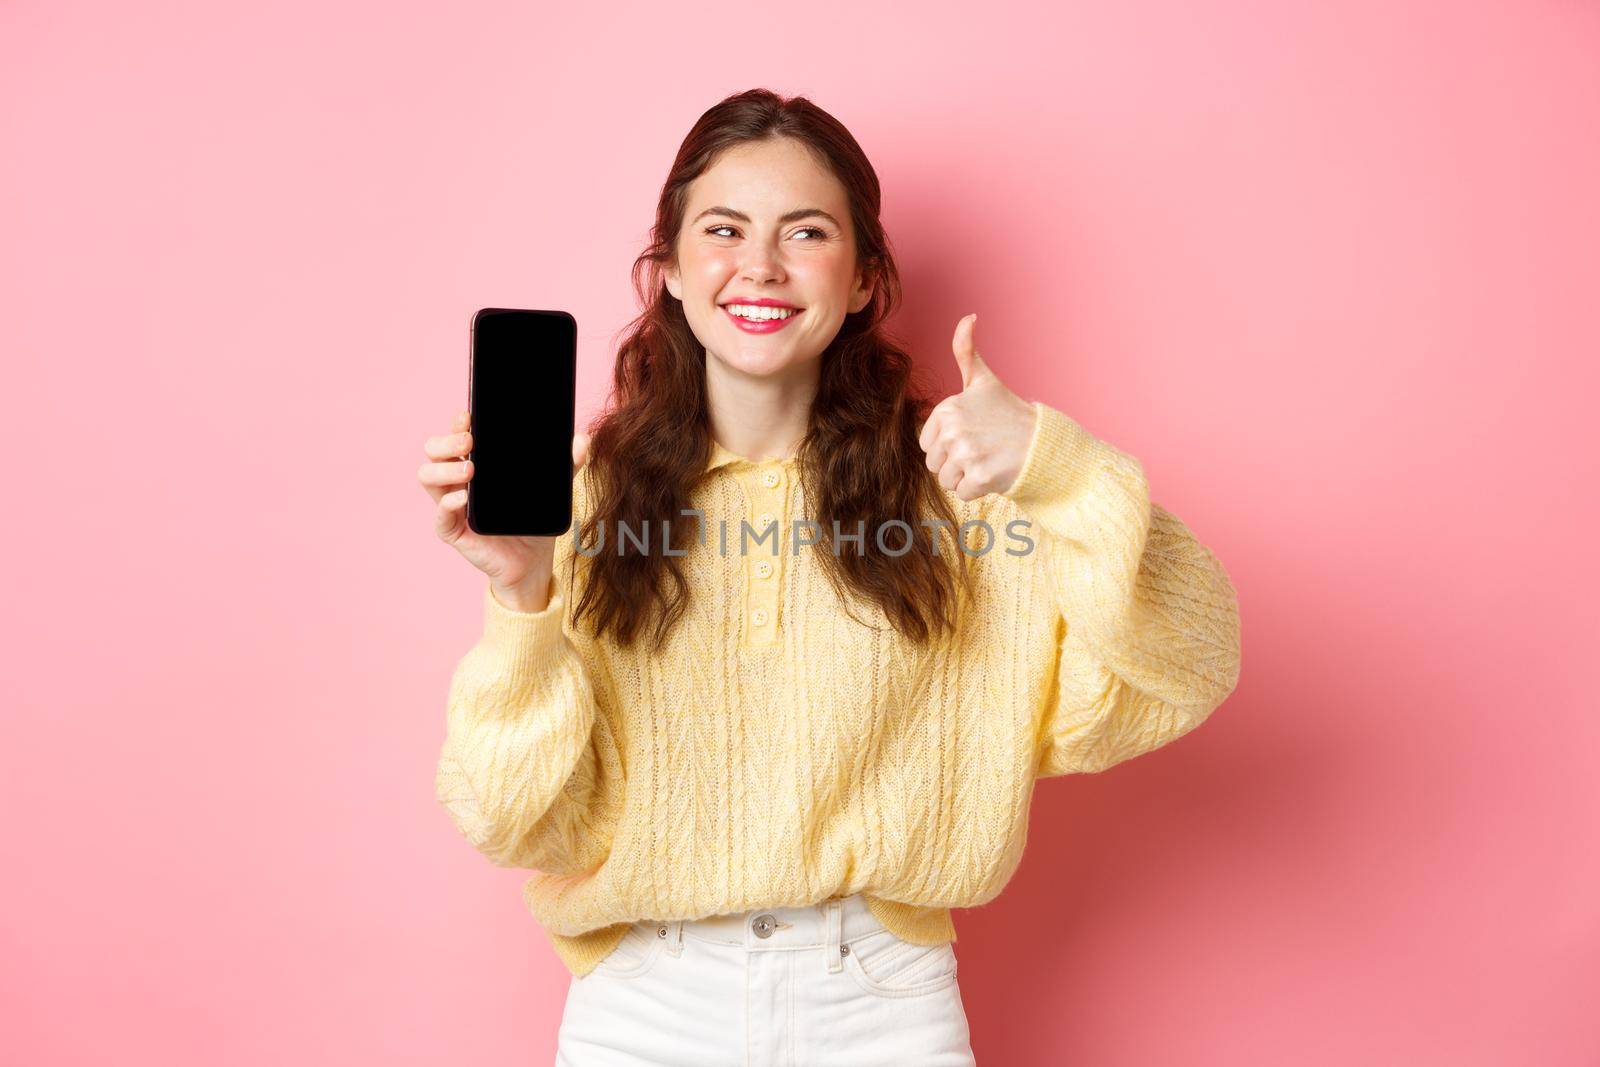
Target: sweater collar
721,457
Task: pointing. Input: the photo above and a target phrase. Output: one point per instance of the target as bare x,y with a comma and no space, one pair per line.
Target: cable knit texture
780,752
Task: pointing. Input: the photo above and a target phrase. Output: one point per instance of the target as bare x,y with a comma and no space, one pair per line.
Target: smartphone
522,377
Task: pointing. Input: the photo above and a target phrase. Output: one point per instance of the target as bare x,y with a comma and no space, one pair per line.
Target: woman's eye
804,229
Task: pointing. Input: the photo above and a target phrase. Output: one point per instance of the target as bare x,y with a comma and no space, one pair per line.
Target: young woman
779,701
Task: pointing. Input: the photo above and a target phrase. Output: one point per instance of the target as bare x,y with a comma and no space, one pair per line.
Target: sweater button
763,925
763,568
763,520
759,616
769,478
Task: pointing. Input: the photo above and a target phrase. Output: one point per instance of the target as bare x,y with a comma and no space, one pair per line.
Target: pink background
1328,270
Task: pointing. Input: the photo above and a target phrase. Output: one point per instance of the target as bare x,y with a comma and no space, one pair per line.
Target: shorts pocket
635,954
887,966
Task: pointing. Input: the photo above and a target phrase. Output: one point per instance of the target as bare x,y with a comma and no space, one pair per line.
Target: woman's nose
762,264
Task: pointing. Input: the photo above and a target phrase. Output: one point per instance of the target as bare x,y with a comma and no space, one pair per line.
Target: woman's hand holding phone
519,568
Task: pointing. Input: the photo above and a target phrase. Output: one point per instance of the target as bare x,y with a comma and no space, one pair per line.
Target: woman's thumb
966,350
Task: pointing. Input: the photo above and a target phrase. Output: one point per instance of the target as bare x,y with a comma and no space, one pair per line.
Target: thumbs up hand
977,439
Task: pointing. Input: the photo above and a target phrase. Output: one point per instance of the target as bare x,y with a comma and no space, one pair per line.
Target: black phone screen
522,384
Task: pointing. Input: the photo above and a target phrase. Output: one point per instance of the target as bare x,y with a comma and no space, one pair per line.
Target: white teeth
752,311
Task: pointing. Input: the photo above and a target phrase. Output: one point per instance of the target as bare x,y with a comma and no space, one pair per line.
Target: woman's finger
444,450
930,430
450,518
932,441
448,446
441,478
951,473
446,476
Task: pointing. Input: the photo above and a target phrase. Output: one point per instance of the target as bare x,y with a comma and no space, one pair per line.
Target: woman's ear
674,283
861,295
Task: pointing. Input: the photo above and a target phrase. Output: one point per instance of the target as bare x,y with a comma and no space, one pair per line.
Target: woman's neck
757,417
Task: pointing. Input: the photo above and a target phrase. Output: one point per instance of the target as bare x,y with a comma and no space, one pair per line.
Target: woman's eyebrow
792,216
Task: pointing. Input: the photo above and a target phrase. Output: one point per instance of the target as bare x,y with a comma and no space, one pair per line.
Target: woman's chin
762,363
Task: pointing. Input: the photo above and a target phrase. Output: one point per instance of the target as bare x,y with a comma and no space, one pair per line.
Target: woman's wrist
530,595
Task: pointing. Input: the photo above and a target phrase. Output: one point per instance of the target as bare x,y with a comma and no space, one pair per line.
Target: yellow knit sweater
779,752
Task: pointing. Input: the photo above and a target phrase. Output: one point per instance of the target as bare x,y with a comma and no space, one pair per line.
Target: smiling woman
791,273
769,205
753,785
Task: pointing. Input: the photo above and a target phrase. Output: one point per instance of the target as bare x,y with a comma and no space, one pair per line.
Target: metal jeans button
764,924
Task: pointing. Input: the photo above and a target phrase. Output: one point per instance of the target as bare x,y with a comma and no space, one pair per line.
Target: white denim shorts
820,986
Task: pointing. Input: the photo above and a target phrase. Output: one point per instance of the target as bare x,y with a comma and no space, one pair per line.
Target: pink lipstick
762,325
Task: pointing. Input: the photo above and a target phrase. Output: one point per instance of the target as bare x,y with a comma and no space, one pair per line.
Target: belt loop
835,917
675,937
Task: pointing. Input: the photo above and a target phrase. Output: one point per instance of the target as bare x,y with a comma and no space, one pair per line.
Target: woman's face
767,221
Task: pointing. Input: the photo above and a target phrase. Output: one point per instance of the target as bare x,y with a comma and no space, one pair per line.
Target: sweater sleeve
530,770
1148,623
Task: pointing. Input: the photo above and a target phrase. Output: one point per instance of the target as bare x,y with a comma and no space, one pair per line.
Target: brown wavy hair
860,461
